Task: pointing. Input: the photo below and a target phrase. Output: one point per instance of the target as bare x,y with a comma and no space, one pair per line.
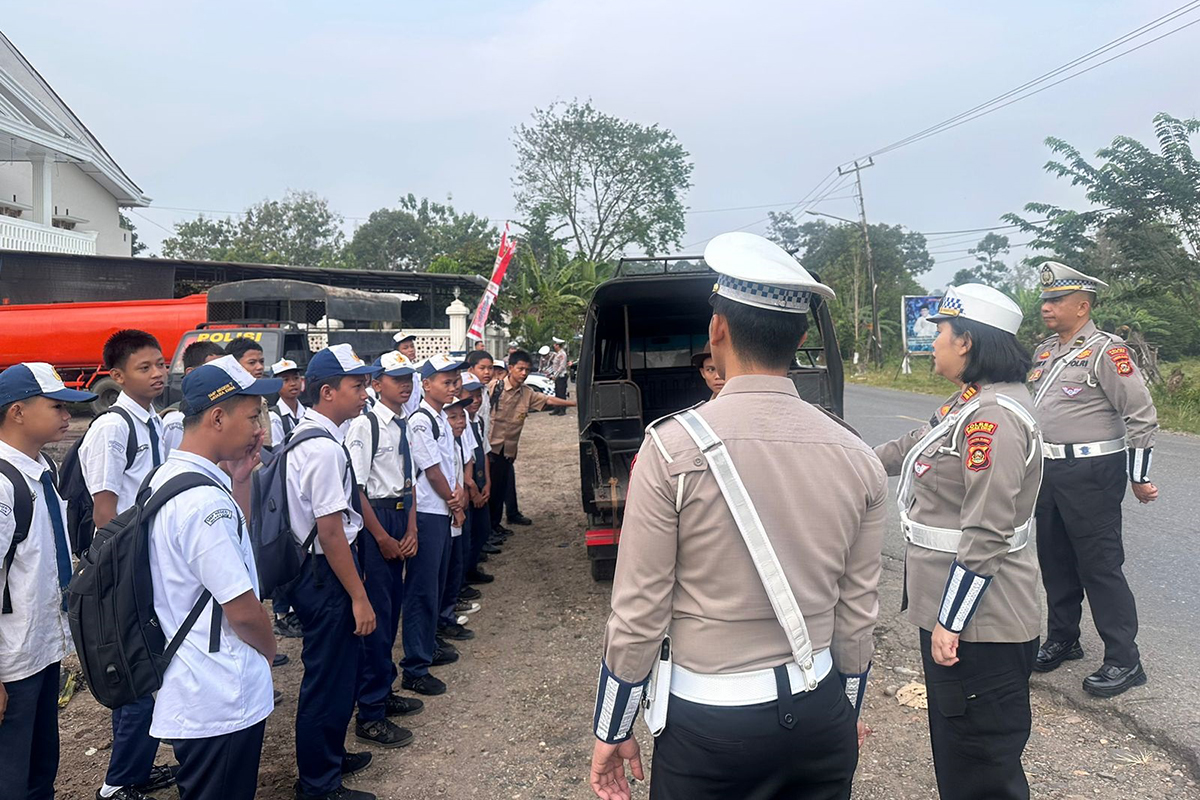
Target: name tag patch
220,513
1072,391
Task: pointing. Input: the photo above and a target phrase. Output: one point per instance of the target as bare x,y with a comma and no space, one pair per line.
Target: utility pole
875,346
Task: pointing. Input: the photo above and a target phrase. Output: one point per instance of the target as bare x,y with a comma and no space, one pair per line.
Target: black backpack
22,512
110,602
74,490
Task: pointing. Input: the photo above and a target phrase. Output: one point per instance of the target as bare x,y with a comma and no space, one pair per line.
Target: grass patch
1178,409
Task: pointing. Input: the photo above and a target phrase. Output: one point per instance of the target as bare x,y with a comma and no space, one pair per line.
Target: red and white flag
503,256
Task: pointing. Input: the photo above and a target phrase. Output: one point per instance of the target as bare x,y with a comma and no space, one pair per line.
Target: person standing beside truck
249,354
708,371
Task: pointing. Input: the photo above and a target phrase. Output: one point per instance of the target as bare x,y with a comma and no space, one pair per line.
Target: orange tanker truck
71,336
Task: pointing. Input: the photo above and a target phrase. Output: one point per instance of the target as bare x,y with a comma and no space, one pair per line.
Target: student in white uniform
406,345
329,596
216,692
35,566
135,361
289,411
479,484
194,355
462,453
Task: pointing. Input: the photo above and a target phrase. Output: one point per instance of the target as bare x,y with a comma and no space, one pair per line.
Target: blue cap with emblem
335,360
441,363
757,272
33,378
221,379
1059,280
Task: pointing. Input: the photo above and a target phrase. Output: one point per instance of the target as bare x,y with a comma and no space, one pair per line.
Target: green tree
203,238
608,183
417,233
136,245
989,265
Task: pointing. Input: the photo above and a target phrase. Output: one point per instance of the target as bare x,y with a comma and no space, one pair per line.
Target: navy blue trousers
133,748
220,767
479,524
385,589
454,576
330,683
424,584
29,737
280,602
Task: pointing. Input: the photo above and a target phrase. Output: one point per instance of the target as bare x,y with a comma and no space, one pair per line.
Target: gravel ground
515,721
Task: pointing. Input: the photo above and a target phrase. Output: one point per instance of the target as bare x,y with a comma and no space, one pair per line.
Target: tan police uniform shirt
1099,395
984,483
821,494
508,414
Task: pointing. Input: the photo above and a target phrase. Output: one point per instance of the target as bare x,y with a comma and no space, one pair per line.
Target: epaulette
653,433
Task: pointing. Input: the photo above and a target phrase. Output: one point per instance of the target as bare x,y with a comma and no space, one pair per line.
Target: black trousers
711,752
220,767
1080,552
979,719
503,482
29,737
560,391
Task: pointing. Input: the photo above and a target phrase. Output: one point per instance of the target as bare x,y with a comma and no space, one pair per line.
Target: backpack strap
437,432
22,515
374,434
131,445
497,390
307,434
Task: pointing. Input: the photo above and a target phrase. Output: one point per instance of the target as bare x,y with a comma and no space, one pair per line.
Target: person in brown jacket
769,599
969,483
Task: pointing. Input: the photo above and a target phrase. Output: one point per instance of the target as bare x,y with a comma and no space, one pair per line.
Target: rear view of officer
744,608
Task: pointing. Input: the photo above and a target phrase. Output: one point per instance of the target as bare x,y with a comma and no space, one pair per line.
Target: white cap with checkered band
981,304
757,272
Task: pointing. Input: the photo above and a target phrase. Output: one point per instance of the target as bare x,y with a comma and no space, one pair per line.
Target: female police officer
968,488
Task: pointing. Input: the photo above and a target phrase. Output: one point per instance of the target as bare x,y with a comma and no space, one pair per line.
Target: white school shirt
418,394
459,464
429,452
319,481
172,423
383,475
194,545
35,635
102,452
280,411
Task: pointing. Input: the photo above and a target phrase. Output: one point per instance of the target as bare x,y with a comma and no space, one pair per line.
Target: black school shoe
443,656
426,685
469,593
340,793
1051,655
490,549
1110,680
354,763
503,531
288,626
280,659
126,793
478,576
382,733
456,632
161,776
520,519
396,706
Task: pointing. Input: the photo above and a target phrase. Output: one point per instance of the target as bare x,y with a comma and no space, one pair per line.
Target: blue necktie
405,455
154,453
61,552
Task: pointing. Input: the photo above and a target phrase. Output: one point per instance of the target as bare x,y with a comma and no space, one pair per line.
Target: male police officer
1099,424
761,605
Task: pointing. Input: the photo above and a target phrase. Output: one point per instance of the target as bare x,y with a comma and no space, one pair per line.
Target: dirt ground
515,722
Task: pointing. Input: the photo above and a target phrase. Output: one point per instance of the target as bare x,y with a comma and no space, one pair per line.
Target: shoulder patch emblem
968,393
1036,374
1043,356
1084,353
1072,391
980,426
921,468
355,443
944,410
220,513
979,453
5,510
1121,360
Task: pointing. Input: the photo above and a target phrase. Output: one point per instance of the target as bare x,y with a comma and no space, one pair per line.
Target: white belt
1084,450
743,688
945,540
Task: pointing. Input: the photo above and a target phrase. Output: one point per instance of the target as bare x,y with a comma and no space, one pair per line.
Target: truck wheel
603,569
106,391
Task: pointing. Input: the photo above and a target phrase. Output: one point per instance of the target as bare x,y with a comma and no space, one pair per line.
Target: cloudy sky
216,105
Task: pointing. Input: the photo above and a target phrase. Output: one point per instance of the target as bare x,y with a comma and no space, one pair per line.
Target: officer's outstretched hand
608,768
1145,492
944,645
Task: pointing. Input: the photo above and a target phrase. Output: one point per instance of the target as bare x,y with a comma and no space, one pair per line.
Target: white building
60,192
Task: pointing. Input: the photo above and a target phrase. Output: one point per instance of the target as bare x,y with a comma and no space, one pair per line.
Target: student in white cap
969,482
406,345
556,368
1100,423
216,692
761,671
288,411
34,572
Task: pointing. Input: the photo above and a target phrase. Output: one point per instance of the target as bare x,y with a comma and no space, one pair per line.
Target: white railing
19,234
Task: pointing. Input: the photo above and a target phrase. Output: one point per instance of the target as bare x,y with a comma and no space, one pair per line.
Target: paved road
1161,564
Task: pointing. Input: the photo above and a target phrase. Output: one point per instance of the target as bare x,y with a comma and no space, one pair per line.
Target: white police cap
1059,280
757,272
981,304
544,350
284,365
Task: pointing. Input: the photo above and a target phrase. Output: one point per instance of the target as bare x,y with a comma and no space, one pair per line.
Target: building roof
38,123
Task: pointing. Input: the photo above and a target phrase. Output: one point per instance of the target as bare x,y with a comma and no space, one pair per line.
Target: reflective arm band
617,704
855,687
1139,464
964,591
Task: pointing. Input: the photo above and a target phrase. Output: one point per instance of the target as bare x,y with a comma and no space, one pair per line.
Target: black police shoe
478,576
288,626
1052,654
482,558
490,549
396,706
426,685
520,519
443,656
280,659
125,793
456,632
469,593
354,763
340,793
382,733
1110,680
161,776
503,531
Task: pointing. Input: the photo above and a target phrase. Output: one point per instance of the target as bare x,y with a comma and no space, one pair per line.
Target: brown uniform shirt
1098,396
986,489
821,494
509,410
